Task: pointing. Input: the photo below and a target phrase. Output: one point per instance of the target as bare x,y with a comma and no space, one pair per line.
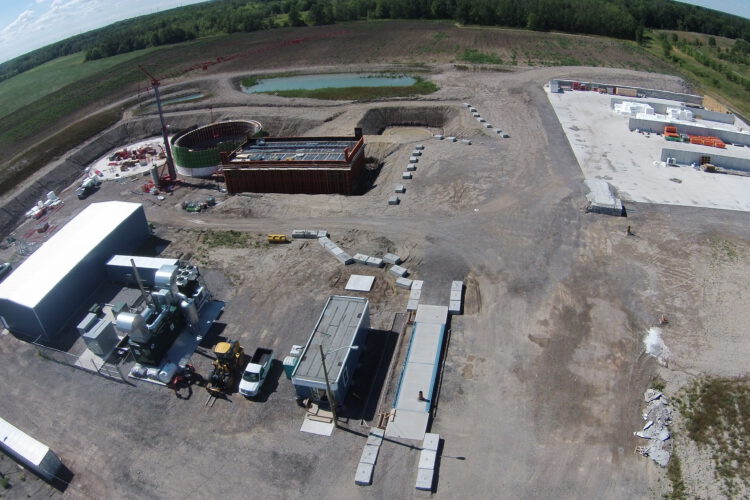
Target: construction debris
658,417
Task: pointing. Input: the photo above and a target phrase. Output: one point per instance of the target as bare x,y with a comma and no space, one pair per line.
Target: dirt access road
544,372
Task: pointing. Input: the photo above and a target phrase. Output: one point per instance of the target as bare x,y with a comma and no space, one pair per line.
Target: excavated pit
376,120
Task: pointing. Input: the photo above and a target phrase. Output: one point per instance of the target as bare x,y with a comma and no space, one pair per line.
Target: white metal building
43,293
28,451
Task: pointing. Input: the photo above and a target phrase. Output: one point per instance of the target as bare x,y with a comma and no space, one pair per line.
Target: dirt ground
544,372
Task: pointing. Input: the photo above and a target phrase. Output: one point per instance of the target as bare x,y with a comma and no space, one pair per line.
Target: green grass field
41,81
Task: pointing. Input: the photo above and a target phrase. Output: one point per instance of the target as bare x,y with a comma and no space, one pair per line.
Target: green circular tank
197,151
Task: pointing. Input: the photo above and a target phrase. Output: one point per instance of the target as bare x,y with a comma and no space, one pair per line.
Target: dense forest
626,19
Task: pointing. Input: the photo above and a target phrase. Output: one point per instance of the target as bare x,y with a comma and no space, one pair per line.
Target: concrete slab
424,479
359,283
369,454
406,175
427,459
412,305
415,293
315,427
457,285
454,307
432,314
417,285
606,149
408,425
425,343
456,295
374,439
431,441
363,476
416,377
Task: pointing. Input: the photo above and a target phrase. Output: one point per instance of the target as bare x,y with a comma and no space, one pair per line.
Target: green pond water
343,80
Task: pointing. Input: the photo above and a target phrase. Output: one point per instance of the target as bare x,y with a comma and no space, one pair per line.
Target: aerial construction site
473,293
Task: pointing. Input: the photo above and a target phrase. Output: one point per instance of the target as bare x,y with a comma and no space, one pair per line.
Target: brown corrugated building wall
296,165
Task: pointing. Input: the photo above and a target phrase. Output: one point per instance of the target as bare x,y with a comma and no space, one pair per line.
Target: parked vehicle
256,372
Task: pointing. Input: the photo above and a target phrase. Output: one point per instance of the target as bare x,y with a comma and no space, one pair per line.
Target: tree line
626,19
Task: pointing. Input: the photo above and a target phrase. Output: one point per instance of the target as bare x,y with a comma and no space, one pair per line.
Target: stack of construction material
334,250
309,233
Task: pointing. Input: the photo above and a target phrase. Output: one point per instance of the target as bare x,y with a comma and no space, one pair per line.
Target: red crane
156,81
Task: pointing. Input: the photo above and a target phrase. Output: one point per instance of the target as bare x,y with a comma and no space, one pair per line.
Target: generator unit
175,302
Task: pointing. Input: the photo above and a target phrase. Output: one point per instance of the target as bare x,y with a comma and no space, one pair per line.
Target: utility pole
331,400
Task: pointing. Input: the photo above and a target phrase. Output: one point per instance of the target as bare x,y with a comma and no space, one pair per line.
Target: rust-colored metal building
296,165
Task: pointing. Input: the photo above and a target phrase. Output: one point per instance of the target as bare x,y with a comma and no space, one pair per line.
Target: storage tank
197,151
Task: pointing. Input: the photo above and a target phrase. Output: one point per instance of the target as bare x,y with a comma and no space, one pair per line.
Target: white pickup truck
256,372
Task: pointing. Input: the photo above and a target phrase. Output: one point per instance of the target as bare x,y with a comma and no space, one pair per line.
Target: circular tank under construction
197,151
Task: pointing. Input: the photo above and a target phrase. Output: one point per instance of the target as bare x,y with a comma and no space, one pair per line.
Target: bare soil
543,373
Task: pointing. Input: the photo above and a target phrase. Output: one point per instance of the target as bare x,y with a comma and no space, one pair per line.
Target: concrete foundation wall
657,126
659,94
689,157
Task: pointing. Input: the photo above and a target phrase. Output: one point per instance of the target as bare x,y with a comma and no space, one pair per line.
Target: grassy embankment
696,57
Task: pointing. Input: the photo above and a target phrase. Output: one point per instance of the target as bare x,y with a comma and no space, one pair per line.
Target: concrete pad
412,305
374,439
432,314
455,307
424,479
359,283
363,476
417,285
431,441
411,168
425,344
456,295
408,425
315,427
369,454
415,293
416,377
457,285
427,459
406,175
606,149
